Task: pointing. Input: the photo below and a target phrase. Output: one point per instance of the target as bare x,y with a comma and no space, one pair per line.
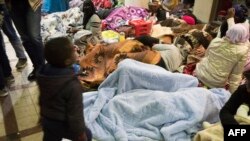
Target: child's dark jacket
61,97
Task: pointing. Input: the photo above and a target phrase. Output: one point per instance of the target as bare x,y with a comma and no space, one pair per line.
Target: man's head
241,13
88,7
60,52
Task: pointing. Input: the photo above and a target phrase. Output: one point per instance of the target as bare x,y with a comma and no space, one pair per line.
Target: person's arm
235,76
74,109
230,21
162,47
230,17
230,108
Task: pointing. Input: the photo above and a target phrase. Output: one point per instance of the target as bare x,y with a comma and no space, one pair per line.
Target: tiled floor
19,111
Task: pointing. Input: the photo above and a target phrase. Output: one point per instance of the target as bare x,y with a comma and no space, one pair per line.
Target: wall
137,3
205,10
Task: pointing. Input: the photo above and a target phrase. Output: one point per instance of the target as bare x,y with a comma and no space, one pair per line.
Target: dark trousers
5,69
4,61
27,22
2,84
56,130
10,32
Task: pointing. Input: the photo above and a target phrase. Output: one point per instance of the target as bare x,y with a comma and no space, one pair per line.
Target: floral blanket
56,24
121,15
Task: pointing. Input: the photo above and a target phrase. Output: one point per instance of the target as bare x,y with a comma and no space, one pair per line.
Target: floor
19,111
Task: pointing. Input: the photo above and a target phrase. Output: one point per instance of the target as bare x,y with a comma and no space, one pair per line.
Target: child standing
61,94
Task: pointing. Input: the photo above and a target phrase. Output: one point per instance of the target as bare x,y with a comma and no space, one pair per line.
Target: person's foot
3,92
22,63
32,76
10,79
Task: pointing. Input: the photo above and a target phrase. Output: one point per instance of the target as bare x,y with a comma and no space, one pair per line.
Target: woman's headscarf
238,33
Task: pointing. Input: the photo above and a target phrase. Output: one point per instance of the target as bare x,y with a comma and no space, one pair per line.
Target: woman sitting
225,59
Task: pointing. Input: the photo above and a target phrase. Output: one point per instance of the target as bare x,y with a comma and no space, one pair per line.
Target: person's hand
200,51
72,30
230,13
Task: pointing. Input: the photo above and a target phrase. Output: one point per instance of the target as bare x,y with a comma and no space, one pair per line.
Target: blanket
51,6
121,15
100,60
57,24
214,132
139,102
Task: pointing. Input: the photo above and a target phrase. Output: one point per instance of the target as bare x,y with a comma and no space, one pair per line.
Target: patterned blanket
100,60
57,24
121,15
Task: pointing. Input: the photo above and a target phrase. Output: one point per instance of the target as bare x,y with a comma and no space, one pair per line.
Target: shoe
32,76
10,79
3,92
22,63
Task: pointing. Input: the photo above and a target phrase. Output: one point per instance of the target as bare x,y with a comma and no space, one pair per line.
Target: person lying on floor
240,96
148,50
171,57
225,59
100,60
186,49
195,42
106,58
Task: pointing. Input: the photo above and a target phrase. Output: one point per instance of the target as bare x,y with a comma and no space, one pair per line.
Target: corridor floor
19,111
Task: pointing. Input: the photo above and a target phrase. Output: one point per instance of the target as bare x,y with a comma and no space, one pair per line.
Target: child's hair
58,50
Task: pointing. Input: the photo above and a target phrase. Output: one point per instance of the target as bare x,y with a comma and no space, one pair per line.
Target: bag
102,4
107,4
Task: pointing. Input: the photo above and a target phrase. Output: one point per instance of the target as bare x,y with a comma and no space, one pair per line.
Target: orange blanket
101,60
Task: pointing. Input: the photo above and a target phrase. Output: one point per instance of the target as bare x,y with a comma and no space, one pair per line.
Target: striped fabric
35,4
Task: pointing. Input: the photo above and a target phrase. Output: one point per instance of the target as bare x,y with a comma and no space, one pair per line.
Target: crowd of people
217,62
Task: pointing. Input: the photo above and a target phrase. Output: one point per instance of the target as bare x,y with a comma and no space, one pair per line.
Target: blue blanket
51,6
141,102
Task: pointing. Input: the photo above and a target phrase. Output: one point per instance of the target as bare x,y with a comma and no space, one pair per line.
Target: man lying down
139,102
